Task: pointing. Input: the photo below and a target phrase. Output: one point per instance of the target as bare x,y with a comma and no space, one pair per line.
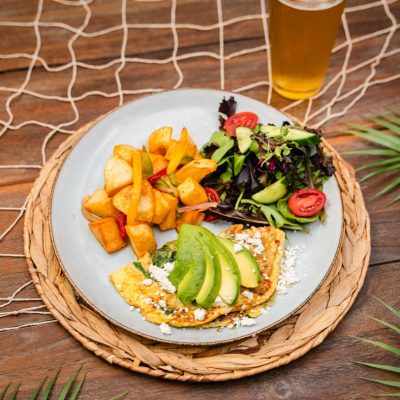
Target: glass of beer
302,34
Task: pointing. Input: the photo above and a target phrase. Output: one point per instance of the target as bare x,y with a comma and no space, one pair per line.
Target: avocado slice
271,193
243,136
230,274
212,281
192,282
248,265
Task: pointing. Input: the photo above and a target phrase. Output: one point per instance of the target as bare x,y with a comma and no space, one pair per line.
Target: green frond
69,383
384,367
397,198
382,141
120,396
387,324
387,383
382,345
35,393
379,171
386,124
50,386
387,395
379,163
13,395
383,137
77,388
390,308
372,152
387,188
4,390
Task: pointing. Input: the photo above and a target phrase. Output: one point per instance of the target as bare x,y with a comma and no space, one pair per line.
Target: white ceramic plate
87,265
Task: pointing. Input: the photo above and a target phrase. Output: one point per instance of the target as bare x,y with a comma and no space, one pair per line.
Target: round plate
87,265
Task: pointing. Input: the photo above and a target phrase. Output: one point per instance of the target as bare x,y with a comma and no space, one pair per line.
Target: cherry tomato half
246,119
212,194
306,202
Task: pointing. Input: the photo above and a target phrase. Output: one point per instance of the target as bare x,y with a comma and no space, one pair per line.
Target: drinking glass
302,34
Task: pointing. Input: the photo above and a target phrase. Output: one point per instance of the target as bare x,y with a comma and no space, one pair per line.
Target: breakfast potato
159,140
142,238
161,207
145,210
107,233
196,169
122,199
159,162
100,204
191,192
124,151
193,217
169,221
117,174
172,147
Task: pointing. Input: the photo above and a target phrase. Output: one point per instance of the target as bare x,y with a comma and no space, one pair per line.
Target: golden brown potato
191,192
107,233
159,140
161,207
117,174
145,210
196,169
190,217
142,238
169,221
159,162
124,151
100,204
122,199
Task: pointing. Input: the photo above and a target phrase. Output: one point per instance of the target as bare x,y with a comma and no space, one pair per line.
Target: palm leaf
69,383
4,390
13,395
392,349
50,386
77,388
35,393
120,396
386,135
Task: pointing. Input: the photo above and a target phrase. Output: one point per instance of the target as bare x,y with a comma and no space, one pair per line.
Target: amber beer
302,33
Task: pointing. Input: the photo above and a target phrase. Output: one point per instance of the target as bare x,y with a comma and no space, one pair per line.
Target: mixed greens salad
266,174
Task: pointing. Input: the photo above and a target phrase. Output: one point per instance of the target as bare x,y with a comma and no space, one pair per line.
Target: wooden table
28,354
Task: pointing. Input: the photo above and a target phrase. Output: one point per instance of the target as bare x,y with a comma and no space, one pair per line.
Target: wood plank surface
29,354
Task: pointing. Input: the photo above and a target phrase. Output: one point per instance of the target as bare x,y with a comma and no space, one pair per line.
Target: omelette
144,284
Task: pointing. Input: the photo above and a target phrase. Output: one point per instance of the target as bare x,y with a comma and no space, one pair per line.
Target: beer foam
311,5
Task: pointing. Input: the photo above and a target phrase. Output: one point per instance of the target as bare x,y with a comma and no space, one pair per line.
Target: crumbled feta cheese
246,321
169,266
149,300
147,282
165,329
242,236
237,247
161,276
162,303
288,277
199,314
218,302
249,295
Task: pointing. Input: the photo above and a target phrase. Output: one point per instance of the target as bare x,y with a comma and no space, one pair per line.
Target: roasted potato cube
100,204
159,140
161,207
169,221
173,145
107,233
159,162
124,151
190,217
191,192
122,199
117,174
142,238
196,169
145,209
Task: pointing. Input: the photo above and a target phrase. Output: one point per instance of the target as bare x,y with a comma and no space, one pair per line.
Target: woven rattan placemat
280,345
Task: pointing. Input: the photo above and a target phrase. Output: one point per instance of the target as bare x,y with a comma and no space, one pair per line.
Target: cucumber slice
243,136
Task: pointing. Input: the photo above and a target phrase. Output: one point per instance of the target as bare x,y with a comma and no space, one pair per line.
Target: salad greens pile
260,166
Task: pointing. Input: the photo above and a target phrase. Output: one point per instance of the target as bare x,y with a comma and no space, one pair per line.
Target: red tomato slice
246,119
211,194
306,202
